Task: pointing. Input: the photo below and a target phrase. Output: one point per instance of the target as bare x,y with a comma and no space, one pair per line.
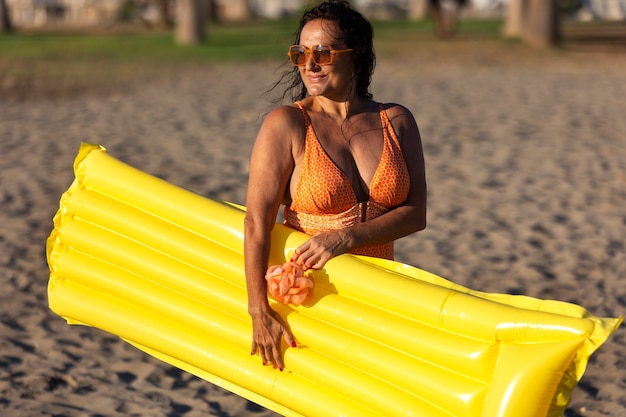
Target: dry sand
526,163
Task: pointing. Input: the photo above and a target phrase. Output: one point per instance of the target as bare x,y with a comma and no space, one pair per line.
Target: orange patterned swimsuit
325,200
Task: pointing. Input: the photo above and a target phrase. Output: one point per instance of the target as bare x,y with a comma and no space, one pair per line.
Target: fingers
291,341
265,352
307,256
310,260
319,249
271,356
267,339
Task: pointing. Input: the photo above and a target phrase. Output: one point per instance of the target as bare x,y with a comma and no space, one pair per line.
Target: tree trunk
210,11
5,18
514,20
534,21
189,24
165,19
542,23
417,9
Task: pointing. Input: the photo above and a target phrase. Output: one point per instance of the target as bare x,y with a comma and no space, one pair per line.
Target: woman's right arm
271,165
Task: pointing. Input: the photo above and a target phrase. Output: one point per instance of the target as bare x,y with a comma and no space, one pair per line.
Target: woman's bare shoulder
394,110
403,122
282,128
286,116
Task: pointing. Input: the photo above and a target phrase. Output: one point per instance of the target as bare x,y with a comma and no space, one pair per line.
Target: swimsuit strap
307,119
388,130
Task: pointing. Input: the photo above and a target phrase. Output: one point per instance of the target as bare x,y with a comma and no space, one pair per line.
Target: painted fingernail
281,369
294,344
264,363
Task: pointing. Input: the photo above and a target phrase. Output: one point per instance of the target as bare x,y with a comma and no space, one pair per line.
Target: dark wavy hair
355,31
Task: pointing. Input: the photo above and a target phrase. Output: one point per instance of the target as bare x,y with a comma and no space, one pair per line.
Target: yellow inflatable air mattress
162,268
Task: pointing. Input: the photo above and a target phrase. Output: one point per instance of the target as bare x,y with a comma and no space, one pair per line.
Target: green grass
57,62
250,42
61,62
53,62
253,41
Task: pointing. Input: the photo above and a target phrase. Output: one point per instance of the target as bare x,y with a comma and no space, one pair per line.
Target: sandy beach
526,167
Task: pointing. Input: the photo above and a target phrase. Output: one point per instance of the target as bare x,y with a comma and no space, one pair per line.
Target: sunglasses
321,54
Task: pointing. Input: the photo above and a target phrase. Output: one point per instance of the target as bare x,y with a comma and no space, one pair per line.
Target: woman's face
333,80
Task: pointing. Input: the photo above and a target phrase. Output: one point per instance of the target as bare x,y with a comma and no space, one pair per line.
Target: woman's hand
267,331
319,249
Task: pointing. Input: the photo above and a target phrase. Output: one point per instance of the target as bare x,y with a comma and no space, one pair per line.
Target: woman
349,170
